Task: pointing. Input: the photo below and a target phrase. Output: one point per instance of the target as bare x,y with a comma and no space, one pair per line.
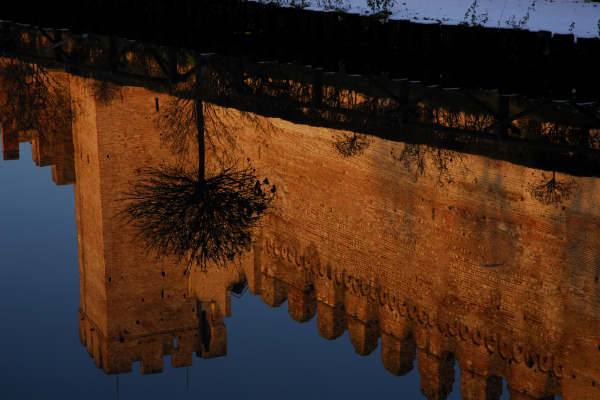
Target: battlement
52,147
10,143
115,356
534,367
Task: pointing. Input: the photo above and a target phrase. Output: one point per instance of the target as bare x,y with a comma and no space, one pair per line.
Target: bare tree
349,145
381,6
412,158
415,158
552,191
197,218
104,91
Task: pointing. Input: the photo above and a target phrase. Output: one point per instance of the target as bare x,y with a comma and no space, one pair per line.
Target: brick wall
467,266
473,266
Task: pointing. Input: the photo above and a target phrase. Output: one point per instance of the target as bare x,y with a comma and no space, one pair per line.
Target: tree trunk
199,104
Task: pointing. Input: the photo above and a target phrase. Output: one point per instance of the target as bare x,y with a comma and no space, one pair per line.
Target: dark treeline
537,132
537,64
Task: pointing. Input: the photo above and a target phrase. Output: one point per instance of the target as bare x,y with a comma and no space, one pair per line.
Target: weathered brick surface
386,253
476,266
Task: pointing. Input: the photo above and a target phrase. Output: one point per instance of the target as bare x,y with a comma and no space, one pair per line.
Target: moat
245,224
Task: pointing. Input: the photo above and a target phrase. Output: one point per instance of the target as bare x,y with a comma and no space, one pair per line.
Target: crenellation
213,331
273,291
478,387
359,305
331,320
475,357
394,324
364,336
182,355
398,355
50,147
302,304
63,168
253,263
435,339
116,356
152,358
329,292
42,147
437,375
481,352
531,381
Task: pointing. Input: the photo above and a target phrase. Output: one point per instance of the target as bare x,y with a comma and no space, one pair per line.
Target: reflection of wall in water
474,267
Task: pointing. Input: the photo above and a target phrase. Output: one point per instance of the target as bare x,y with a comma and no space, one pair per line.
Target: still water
244,229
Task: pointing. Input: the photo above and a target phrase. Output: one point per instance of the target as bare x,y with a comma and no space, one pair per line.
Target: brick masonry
467,267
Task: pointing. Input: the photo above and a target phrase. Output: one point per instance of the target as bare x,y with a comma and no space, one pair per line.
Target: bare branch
552,191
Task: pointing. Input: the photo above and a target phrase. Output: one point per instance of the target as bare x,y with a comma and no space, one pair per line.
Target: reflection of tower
48,149
133,306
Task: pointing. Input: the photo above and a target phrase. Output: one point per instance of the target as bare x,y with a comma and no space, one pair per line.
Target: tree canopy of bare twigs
199,221
415,158
105,92
349,145
380,6
202,218
552,191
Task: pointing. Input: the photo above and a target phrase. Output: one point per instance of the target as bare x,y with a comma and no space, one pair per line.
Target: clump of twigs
199,221
349,145
552,191
333,4
105,92
415,158
473,18
381,6
412,158
197,218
